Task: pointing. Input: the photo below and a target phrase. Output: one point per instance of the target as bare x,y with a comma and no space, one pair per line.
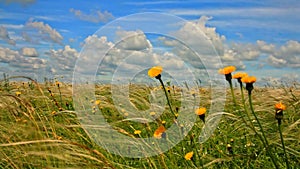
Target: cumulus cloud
62,61
44,30
95,17
18,64
132,40
5,36
7,55
30,52
212,53
286,55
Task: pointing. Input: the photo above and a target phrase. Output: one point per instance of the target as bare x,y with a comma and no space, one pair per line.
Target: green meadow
39,127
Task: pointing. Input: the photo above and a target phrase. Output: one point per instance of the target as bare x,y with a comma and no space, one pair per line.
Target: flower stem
232,93
265,142
161,82
244,104
282,142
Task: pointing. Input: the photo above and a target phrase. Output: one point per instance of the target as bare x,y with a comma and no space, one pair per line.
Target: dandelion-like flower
201,113
279,107
18,93
160,132
239,76
152,113
249,80
97,102
57,83
189,155
137,132
155,71
227,72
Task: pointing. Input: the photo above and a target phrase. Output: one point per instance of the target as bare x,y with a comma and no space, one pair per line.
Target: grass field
39,128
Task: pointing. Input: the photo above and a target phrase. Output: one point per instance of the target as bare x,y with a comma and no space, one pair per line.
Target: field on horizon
39,128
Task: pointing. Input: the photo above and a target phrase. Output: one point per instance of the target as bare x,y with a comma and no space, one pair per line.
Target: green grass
38,130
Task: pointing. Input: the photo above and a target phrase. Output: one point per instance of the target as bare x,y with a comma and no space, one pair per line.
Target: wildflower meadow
259,127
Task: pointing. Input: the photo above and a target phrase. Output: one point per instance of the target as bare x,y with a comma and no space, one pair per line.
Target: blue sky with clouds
44,38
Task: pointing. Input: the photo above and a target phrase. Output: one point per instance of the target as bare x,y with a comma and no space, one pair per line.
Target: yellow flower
189,155
200,111
249,79
159,132
137,131
152,113
97,102
280,106
18,93
227,70
155,71
239,75
163,122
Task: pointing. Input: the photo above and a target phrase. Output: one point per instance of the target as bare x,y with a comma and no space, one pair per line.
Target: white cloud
264,47
7,55
95,17
276,62
5,36
17,64
287,55
45,30
31,52
132,40
62,61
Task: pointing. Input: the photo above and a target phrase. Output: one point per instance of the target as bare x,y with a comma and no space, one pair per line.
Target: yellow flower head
18,93
137,131
249,79
280,106
239,75
97,102
200,111
189,155
227,70
152,113
159,131
155,71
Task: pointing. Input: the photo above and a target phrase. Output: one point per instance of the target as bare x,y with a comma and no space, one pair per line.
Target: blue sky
44,38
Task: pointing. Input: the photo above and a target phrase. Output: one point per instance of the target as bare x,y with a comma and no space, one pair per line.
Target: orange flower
159,131
239,75
189,155
280,106
227,70
200,111
249,79
155,71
